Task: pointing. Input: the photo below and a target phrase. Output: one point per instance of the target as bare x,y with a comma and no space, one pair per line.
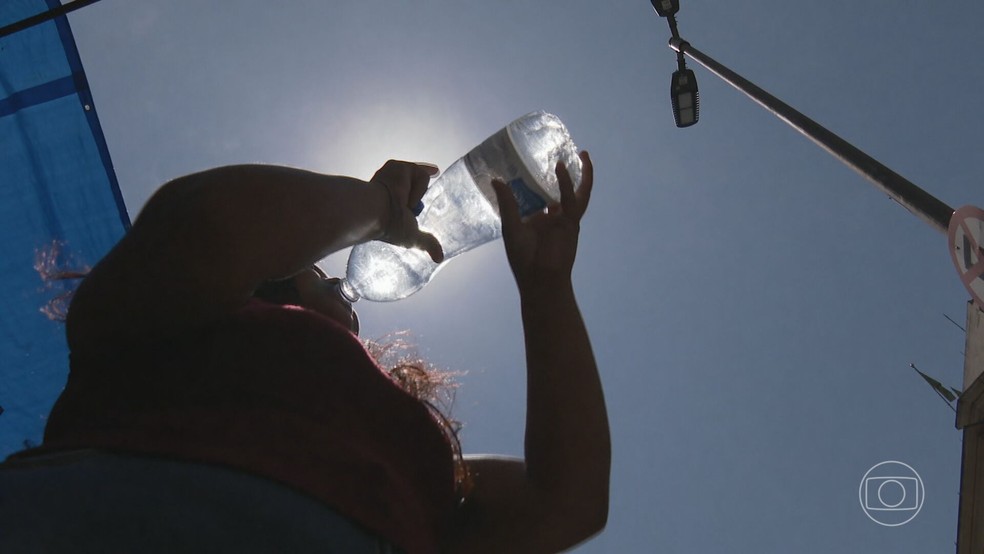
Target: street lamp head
666,8
683,94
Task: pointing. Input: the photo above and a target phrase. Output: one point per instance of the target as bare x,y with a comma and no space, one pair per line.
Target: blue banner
58,198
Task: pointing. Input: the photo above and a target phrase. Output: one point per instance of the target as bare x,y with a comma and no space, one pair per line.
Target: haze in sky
754,304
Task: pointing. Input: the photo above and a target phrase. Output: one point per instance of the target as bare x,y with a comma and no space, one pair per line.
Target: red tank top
280,392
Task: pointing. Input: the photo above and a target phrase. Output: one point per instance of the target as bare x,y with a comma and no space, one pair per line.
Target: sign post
970,418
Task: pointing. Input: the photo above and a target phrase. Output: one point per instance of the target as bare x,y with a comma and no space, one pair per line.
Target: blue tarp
57,186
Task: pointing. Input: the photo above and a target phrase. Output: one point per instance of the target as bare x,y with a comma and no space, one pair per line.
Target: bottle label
497,158
529,201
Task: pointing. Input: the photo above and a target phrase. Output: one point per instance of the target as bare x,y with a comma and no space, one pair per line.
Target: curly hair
430,385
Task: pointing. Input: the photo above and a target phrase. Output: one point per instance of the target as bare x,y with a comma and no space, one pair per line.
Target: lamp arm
927,207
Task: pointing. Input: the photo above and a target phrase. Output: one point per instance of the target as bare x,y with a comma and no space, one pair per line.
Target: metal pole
43,16
970,417
924,205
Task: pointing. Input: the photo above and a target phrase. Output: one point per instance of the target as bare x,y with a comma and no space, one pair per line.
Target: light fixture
683,94
666,8
683,84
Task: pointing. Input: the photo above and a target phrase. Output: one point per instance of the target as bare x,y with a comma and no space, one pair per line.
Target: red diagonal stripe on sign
970,237
973,273
960,237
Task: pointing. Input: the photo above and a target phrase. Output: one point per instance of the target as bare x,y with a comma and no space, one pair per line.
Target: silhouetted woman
219,399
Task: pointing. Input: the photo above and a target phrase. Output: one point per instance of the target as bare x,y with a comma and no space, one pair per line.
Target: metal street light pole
968,223
927,207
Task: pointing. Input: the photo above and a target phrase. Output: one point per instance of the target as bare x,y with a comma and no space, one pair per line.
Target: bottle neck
348,292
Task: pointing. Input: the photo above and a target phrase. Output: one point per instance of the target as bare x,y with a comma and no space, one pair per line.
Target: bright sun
364,139
360,140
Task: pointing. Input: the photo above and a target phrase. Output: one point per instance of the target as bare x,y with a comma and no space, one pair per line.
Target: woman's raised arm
204,242
557,495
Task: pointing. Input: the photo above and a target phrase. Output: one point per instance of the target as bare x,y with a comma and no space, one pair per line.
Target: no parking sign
966,236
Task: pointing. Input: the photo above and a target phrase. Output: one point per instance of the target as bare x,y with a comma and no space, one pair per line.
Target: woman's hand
542,248
405,184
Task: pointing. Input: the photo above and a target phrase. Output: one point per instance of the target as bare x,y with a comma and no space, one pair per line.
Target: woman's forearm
268,221
568,450
205,241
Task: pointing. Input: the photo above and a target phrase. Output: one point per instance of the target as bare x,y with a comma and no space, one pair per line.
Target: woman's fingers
575,203
508,208
430,168
587,182
420,178
407,178
429,243
406,183
568,202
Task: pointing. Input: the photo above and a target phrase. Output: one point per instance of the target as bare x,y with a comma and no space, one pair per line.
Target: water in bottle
460,208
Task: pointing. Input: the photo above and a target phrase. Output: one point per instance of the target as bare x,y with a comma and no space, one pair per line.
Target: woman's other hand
541,248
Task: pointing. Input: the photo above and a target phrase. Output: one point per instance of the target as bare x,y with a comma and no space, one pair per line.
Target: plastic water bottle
460,207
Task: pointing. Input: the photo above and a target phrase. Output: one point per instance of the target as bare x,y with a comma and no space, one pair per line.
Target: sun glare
419,129
366,138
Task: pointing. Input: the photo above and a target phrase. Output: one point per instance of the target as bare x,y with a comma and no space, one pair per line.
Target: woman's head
312,289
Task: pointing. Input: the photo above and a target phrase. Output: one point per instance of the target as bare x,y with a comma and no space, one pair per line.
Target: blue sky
754,304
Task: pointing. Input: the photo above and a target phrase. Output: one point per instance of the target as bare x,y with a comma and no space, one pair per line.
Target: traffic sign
966,237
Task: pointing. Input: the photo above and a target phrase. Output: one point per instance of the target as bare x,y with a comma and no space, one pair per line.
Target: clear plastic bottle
460,208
